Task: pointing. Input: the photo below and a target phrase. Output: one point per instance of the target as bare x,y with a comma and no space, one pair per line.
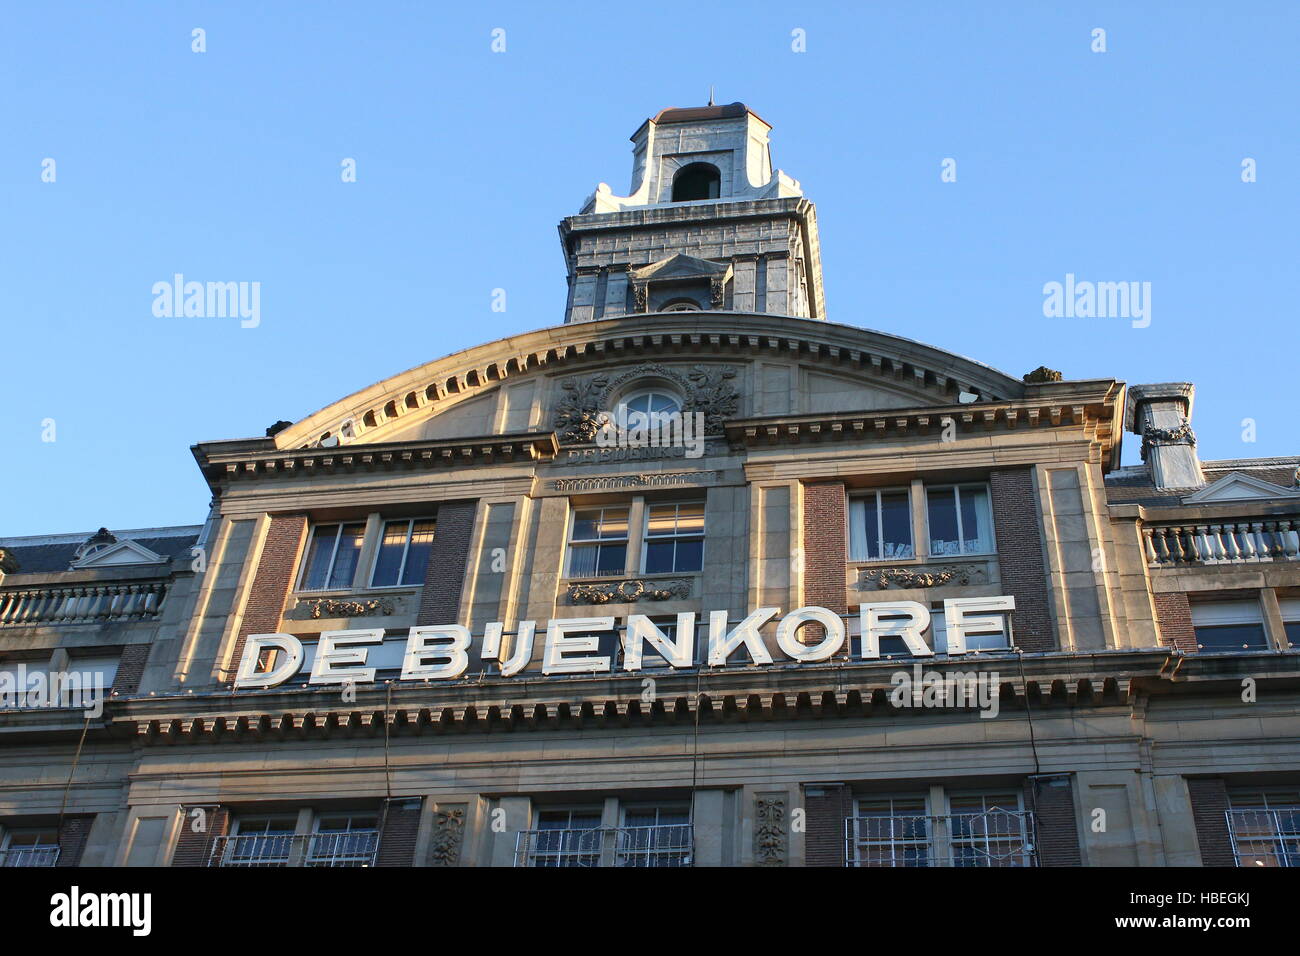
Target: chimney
1162,414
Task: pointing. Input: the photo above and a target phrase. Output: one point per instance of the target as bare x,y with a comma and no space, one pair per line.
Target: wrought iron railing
82,603
994,837
1265,836
345,848
1251,541
663,845
29,856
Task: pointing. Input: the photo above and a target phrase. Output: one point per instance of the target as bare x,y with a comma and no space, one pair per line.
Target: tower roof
694,114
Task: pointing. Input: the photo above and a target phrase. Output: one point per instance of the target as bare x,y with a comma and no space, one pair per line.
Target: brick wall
400,825
73,834
130,668
1174,617
825,551
1209,798
195,849
826,808
1052,801
448,558
271,583
1020,557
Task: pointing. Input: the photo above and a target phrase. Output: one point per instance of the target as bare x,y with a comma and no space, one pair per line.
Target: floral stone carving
628,592
448,833
330,607
708,389
920,577
771,842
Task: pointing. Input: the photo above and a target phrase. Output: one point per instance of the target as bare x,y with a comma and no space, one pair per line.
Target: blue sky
225,165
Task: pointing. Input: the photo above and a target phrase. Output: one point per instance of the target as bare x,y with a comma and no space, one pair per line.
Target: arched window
681,305
697,181
640,406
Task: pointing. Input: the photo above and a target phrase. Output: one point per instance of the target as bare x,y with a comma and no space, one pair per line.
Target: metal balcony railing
1252,541
663,845
346,848
30,856
992,838
1265,837
82,604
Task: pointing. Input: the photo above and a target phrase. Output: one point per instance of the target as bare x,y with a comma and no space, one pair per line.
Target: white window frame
597,542
624,852
958,487
873,494
646,537
305,562
1212,615
406,550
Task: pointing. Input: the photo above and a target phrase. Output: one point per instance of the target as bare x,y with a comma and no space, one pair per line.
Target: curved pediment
776,365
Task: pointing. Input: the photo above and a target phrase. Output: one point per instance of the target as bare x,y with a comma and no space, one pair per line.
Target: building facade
696,577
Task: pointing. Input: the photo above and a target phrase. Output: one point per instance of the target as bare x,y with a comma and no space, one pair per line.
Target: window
960,520
681,305
996,641
403,552
977,830
640,408
566,838
330,838
1265,828
880,526
697,181
1290,608
260,841
674,538
1224,627
598,542
651,659
655,836
344,839
893,831
29,846
332,556
988,830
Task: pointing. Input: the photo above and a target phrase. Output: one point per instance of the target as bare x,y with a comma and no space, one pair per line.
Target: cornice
791,692
1091,405
698,336
221,464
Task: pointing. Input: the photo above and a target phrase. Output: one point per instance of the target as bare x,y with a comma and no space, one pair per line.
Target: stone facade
1145,677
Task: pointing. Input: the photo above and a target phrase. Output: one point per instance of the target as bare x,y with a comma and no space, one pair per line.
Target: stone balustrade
82,603
1248,541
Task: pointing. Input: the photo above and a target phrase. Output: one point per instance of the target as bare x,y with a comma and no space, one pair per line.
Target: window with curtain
880,526
598,542
960,520
332,556
403,553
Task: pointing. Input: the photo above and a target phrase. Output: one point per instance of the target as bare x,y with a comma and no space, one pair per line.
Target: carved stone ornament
1040,375
629,592
579,411
586,400
330,607
1180,435
8,562
448,833
920,577
771,842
